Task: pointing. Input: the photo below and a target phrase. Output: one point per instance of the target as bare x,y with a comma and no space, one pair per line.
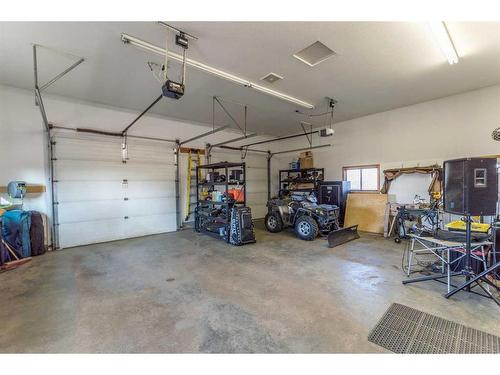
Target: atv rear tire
306,228
273,222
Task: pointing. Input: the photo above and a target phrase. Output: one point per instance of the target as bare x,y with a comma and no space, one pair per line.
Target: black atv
304,214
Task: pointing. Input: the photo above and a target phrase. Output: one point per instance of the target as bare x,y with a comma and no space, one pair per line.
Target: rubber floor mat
403,329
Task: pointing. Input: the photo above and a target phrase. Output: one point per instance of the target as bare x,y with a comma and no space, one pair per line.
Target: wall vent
271,77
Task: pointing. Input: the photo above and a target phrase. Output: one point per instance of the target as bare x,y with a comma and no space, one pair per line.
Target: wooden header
187,150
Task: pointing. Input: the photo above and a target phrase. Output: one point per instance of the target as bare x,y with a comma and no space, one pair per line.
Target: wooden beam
187,150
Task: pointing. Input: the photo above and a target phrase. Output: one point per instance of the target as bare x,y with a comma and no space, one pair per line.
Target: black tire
273,222
306,228
397,240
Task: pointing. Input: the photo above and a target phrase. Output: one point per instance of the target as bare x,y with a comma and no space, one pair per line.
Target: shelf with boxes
221,203
304,180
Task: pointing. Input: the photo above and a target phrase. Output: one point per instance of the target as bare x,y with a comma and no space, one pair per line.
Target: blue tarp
16,231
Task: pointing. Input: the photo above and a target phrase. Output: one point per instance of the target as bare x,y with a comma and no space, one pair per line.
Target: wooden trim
366,166
361,166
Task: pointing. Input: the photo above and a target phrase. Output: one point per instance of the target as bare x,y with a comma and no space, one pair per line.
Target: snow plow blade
342,235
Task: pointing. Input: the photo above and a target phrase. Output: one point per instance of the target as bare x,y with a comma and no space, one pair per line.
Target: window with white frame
363,177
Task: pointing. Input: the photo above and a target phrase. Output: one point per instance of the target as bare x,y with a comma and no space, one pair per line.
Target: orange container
237,194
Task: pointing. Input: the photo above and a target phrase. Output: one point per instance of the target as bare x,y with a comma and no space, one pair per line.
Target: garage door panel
81,149
95,204
92,170
259,173
257,195
257,187
74,212
71,234
97,148
151,224
257,169
88,170
258,211
102,190
156,206
256,179
158,154
149,189
115,229
142,171
88,190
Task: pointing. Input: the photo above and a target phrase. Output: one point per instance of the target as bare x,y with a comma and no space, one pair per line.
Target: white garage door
256,179
102,199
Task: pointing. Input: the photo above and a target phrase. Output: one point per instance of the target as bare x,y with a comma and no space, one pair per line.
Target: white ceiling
378,66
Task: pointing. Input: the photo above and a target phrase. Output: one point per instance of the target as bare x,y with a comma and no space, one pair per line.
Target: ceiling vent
271,77
314,54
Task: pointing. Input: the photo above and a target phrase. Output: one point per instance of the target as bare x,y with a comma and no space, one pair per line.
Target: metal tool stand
442,250
477,280
470,276
471,279
204,207
425,215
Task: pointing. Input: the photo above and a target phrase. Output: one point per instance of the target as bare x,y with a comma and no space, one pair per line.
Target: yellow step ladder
194,159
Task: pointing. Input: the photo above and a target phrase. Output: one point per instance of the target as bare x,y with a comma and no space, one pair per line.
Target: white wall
421,134
22,144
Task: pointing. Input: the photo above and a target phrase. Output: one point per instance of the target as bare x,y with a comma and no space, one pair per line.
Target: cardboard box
306,162
307,185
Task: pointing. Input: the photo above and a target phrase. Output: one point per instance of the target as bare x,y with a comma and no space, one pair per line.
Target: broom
13,263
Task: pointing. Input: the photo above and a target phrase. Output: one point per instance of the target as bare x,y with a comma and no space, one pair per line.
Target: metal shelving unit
288,177
213,217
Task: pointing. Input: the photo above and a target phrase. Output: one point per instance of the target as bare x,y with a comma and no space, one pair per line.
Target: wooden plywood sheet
367,210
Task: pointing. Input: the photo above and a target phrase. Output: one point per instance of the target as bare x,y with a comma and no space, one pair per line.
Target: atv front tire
306,228
273,222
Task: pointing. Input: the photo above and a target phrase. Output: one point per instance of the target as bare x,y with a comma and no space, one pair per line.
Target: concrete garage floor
186,292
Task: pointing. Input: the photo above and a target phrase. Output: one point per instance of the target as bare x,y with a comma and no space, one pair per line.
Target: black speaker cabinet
334,192
470,186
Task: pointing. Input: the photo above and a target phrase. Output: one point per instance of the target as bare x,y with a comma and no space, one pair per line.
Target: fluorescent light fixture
444,41
128,39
